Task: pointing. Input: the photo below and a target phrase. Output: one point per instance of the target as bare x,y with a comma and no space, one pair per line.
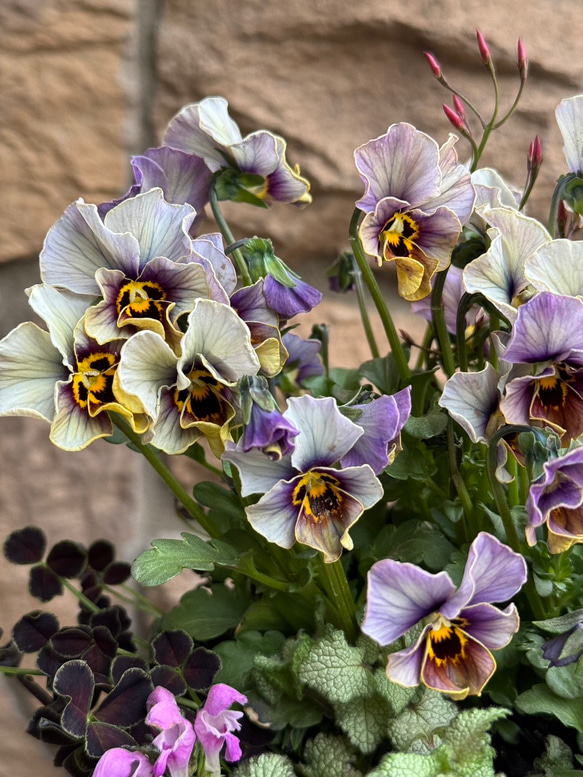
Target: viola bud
522,59
433,64
459,107
454,118
484,50
535,154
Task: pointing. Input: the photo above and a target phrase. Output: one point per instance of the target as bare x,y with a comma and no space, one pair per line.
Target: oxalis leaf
169,557
335,669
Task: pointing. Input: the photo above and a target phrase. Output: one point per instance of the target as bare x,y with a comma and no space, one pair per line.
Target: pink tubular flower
118,762
176,739
214,724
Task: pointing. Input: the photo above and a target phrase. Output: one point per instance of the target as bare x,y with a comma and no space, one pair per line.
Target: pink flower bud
484,50
535,154
454,119
522,59
459,107
433,64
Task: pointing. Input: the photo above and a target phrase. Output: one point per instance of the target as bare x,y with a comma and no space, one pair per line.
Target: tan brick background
85,83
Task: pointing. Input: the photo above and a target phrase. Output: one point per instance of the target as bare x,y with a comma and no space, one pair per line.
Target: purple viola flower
265,427
184,178
382,421
566,648
215,723
305,497
289,300
557,500
417,197
176,738
118,762
460,625
304,357
548,334
206,130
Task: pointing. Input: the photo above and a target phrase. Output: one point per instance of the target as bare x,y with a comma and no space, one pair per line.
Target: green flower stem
491,124
228,236
372,344
465,304
333,578
424,347
513,488
381,305
190,703
439,324
458,480
135,600
20,671
171,481
87,603
513,106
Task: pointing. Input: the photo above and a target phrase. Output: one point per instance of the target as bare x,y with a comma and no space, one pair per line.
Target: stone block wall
86,83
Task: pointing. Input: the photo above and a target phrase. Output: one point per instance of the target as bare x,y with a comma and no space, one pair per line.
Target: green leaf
396,695
427,712
335,669
282,612
411,463
407,765
540,698
364,721
266,765
219,499
467,741
204,615
328,755
237,656
383,372
557,761
426,426
169,557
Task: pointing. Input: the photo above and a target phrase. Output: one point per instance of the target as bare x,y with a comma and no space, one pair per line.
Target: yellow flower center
202,400
319,496
398,236
446,642
92,382
141,299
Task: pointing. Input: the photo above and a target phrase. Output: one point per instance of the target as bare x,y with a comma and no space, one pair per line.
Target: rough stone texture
64,115
82,85
330,75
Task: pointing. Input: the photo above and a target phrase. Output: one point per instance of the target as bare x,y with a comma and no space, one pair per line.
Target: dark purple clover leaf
49,661
200,669
44,584
103,736
100,554
74,681
45,724
67,559
25,546
126,704
10,655
76,762
117,572
33,631
172,647
170,678
122,663
72,642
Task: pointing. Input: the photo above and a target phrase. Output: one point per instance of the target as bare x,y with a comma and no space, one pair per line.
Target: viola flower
265,427
289,300
304,357
176,738
62,375
382,421
206,130
548,334
557,267
499,274
215,723
460,625
182,177
118,762
263,322
557,500
305,498
569,115
193,394
416,199
493,191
